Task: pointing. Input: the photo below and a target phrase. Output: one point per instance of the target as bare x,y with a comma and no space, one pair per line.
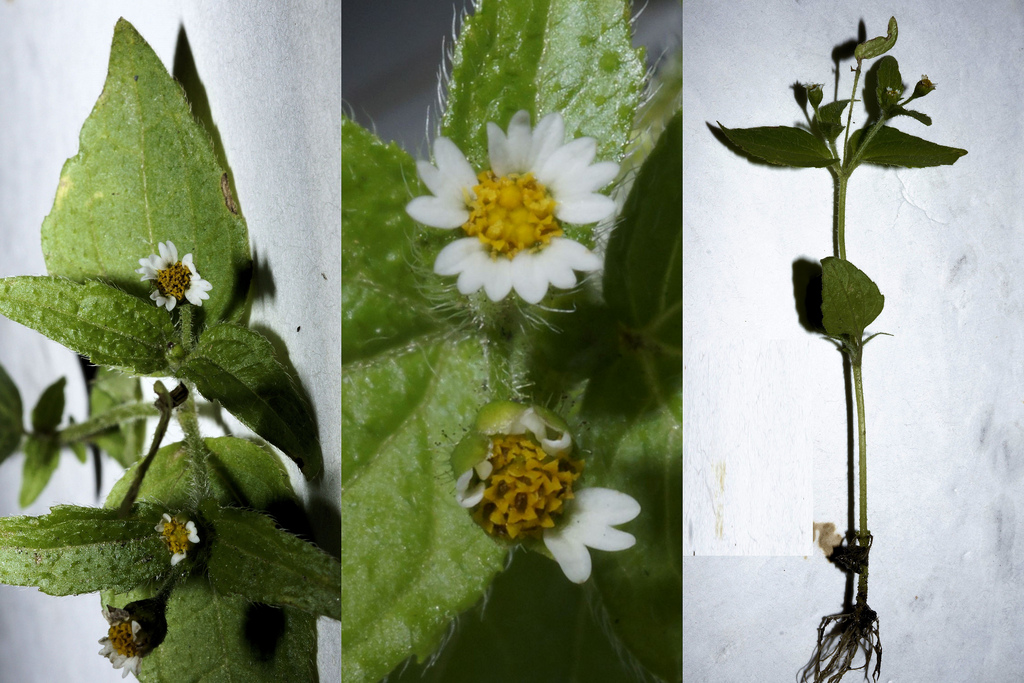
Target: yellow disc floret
525,490
176,536
122,639
511,213
174,280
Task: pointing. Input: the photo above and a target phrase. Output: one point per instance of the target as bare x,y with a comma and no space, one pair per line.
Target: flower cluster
516,474
126,643
179,535
175,280
512,213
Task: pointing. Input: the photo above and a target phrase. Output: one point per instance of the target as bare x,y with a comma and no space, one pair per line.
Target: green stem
85,431
185,318
165,405
195,447
841,182
863,534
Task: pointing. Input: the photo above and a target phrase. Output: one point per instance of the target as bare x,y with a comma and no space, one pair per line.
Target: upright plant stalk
863,535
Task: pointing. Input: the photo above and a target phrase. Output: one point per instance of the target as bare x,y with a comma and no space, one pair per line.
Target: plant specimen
850,301
511,350
199,551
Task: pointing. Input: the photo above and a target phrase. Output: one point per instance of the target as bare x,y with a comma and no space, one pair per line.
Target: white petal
530,420
473,496
556,446
548,136
475,272
584,209
510,154
498,283
452,164
565,162
572,254
572,556
437,212
168,252
431,177
528,277
193,535
176,558
186,261
608,506
484,469
451,259
498,150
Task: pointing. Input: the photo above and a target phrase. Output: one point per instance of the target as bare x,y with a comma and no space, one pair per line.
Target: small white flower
588,523
175,280
123,645
179,535
513,212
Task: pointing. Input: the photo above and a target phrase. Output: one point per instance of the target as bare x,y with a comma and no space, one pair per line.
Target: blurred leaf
891,147
47,414
11,427
382,303
77,550
878,46
412,558
251,557
850,301
42,455
93,319
145,173
217,638
569,56
126,442
531,601
781,145
239,472
236,366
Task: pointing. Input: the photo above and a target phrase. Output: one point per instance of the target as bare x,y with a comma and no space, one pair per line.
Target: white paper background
271,72
945,395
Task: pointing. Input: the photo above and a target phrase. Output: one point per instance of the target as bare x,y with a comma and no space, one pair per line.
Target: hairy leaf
878,46
94,319
412,558
218,638
781,145
569,56
382,302
76,550
850,301
236,366
250,556
145,173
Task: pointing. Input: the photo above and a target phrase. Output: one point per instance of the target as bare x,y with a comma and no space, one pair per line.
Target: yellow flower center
174,280
524,493
511,213
176,536
122,639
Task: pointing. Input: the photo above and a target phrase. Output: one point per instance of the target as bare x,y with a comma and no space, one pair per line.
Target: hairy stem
165,405
128,412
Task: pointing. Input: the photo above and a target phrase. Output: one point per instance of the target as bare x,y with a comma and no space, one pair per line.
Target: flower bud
814,94
923,87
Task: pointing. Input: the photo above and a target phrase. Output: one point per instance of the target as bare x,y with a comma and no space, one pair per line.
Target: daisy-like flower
512,213
126,643
175,280
515,473
179,534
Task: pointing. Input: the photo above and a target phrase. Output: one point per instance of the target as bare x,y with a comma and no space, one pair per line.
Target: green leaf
111,389
644,259
900,111
47,414
145,173
781,145
890,82
891,147
236,366
569,56
251,557
239,473
829,119
642,586
382,301
850,301
94,319
551,619
878,46
217,638
42,455
11,427
76,550
412,558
